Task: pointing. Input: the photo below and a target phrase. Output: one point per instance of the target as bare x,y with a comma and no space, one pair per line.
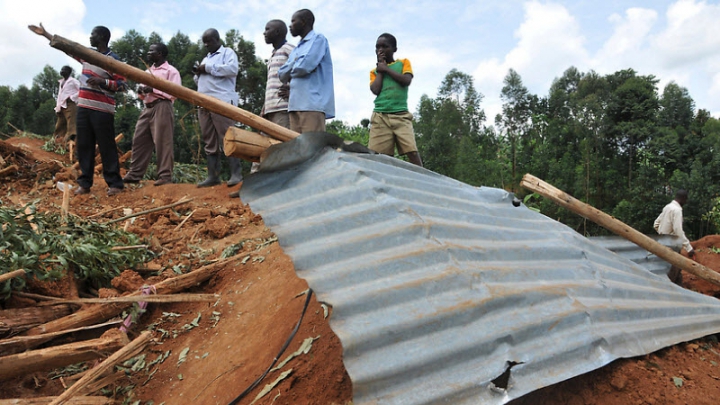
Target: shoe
82,190
162,182
130,181
113,191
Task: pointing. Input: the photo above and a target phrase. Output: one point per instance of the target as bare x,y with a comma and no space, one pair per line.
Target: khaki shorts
389,130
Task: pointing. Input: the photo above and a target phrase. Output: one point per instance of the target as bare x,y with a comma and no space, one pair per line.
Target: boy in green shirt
391,122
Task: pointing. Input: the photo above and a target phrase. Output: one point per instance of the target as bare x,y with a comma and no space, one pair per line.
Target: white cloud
28,52
549,41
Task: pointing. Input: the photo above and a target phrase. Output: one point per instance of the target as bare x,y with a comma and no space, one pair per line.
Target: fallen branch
177,228
618,227
9,276
140,298
132,349
132,247
37,297
99,214
97,400
9,170
164,207
59,356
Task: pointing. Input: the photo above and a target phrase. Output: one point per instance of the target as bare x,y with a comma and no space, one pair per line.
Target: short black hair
681,193
68,68
212,32
281,26
162,48
307,16
391,38
104,32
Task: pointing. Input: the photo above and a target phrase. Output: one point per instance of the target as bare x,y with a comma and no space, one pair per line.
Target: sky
672,40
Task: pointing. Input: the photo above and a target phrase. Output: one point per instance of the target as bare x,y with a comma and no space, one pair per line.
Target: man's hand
200,69
145,89
284,91
95,81
40,31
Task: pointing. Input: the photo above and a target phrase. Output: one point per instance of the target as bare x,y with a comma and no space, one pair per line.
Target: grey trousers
154,128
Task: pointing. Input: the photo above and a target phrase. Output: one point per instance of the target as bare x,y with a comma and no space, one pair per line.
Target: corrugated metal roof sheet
438,287
635,253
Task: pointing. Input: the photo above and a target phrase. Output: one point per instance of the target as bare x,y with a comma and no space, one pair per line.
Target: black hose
282,350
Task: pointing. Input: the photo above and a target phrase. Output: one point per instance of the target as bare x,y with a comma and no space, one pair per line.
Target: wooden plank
16,320
618,227
60,356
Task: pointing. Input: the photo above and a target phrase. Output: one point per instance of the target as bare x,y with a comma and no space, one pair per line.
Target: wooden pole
618,227
245,144
209,103
9,276
132,349
96,400
60,356
163,298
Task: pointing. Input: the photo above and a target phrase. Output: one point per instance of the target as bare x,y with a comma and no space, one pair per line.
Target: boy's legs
382,139
402,127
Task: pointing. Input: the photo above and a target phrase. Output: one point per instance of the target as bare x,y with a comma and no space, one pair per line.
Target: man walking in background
156,122
670,222
216,76
66,106
308,77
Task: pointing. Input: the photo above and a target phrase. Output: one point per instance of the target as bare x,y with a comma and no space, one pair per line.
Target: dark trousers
97,127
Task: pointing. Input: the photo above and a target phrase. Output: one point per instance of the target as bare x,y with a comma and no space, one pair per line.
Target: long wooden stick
96,400
135,347
17,344
618,227
210,103
97,313
177,228
140,298
8,276
164,207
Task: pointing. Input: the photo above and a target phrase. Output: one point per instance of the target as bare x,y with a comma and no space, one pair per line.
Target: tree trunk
210,103
619,228
60,356
245,144
14,321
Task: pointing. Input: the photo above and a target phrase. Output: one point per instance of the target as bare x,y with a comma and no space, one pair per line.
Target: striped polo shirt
273,102
95,97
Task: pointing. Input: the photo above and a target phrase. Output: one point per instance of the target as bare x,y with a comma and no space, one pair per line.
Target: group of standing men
299,96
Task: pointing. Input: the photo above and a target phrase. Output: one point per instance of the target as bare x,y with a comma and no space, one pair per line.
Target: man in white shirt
216,76
670,222
66,106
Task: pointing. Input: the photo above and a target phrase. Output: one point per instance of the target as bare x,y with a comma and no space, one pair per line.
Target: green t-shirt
393,96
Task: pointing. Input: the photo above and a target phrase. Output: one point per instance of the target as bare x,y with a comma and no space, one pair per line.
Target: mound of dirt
208,353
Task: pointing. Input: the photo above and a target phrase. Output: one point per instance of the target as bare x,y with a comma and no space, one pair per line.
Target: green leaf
677,381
